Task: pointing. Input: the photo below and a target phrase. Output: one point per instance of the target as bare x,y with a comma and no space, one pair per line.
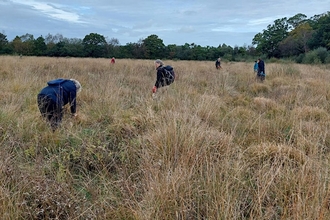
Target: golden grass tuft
280,81
262,104
267,152
310,113
260,88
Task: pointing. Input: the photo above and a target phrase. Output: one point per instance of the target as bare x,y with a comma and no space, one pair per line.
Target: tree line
302,39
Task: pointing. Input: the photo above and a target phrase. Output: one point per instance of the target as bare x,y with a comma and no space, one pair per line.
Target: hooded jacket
62,92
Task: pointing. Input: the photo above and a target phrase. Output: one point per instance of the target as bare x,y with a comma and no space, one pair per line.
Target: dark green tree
268,41
126,50
198,52
40,46
4,45
51,41
59,50
139,50
212,53
251,51
171,51
154,47
131,50
297,20
321,37
94,45
225,51
112,47
74,47
184,52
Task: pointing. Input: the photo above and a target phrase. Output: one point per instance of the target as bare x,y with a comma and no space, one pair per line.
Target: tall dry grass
214,145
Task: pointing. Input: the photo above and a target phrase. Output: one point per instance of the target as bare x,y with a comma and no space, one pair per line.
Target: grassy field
214,145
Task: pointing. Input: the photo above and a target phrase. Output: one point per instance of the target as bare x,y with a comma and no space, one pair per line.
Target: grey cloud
187,29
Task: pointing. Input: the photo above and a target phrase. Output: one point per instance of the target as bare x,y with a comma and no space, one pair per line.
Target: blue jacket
62,92
255,66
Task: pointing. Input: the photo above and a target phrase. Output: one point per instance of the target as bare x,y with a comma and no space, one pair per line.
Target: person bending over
165,75
52,98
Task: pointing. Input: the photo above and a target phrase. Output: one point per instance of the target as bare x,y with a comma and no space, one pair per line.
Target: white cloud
261,21
55,11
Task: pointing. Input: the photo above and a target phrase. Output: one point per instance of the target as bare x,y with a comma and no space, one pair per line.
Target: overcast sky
203,22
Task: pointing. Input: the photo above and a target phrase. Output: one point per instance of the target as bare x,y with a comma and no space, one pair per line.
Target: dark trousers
50,110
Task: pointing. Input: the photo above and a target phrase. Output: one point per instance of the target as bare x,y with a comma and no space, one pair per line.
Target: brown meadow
215,145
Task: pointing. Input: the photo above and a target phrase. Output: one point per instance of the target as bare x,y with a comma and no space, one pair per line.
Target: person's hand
74,115
154,89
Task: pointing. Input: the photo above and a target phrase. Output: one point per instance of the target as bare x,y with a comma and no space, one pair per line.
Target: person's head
255,61
158,63
77,84
219,59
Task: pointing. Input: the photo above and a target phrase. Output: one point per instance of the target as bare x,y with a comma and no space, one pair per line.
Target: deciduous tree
321,37
94,45
268,41
154,47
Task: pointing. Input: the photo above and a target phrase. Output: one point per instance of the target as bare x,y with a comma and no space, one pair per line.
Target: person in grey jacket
55,96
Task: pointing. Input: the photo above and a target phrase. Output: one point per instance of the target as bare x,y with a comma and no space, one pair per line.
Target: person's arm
159,79
73,103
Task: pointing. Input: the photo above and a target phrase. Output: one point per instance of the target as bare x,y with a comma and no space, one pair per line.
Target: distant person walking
55,96
261,70
112,61
165,76
218,63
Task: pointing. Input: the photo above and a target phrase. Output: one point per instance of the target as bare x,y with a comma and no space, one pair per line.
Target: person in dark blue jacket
218,63
261,70
55,96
